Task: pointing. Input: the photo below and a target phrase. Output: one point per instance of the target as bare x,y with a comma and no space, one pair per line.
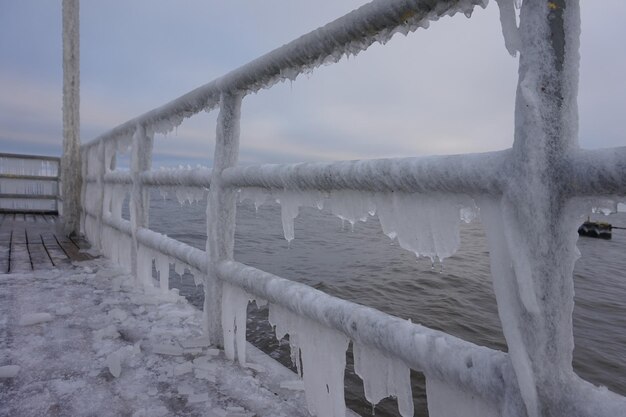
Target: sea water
363,265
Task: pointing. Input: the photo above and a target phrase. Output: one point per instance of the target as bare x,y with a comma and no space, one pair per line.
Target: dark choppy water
364,266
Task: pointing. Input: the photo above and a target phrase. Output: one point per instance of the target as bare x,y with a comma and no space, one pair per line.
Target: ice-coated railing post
141,161
100,196
532,272
83,192
70,161
220,212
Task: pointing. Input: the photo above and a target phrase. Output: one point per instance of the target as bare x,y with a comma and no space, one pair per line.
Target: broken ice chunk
255,367
183,368
9,371
198,398
202,374
197,342
167,349
114,364
295,385
204,363
117,314
185,389
35,318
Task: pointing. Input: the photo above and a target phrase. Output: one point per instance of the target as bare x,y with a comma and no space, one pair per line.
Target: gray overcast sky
447,89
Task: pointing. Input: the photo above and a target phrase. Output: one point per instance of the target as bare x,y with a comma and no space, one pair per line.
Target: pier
135,339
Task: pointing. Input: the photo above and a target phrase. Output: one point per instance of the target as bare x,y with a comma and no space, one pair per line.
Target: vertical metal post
71,178
141,160
221,211
532,278
100,187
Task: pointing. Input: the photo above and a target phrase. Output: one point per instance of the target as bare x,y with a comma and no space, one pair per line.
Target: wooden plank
29,218
20,258
39,256
73,247
5,247
81,243
19,234
56,252
40,219
5,236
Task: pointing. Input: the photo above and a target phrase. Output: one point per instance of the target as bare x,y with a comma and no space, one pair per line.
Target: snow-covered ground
84,341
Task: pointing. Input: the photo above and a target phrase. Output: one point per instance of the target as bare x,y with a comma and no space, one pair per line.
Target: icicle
179,268
351,205
383,377
163,267
290,203
257,195
323,356
234,314
508,20
426,224
144,266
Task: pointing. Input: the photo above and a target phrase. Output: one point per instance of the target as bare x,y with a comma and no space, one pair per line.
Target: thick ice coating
425,224
323,356
234,314
383,377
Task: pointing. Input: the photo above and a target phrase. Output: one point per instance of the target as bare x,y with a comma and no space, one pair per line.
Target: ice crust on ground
425,224
103,359
383,377
322,352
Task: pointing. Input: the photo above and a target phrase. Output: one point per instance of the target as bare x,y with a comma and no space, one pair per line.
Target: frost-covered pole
532,232
221,209
141,161
70,161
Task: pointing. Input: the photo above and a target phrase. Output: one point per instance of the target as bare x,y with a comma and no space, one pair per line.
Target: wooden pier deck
34,242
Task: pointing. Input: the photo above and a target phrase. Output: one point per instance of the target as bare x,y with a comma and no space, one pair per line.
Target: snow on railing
29,183
544,182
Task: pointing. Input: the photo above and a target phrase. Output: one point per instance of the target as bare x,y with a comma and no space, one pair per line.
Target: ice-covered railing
29,183
543,183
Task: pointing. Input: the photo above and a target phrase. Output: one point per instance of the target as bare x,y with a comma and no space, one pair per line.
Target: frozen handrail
29,183
544,182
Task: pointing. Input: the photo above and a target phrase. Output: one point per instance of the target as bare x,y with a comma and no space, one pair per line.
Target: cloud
447,89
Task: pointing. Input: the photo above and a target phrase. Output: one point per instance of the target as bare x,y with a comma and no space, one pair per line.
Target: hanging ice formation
383,377
234,314
320,357
425,224
508,20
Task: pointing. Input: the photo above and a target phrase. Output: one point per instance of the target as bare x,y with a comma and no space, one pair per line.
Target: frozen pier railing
544,182
29,183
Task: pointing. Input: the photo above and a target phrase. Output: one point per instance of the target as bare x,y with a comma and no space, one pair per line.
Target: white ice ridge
383,377
322,353
234,314
425,224
508,20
